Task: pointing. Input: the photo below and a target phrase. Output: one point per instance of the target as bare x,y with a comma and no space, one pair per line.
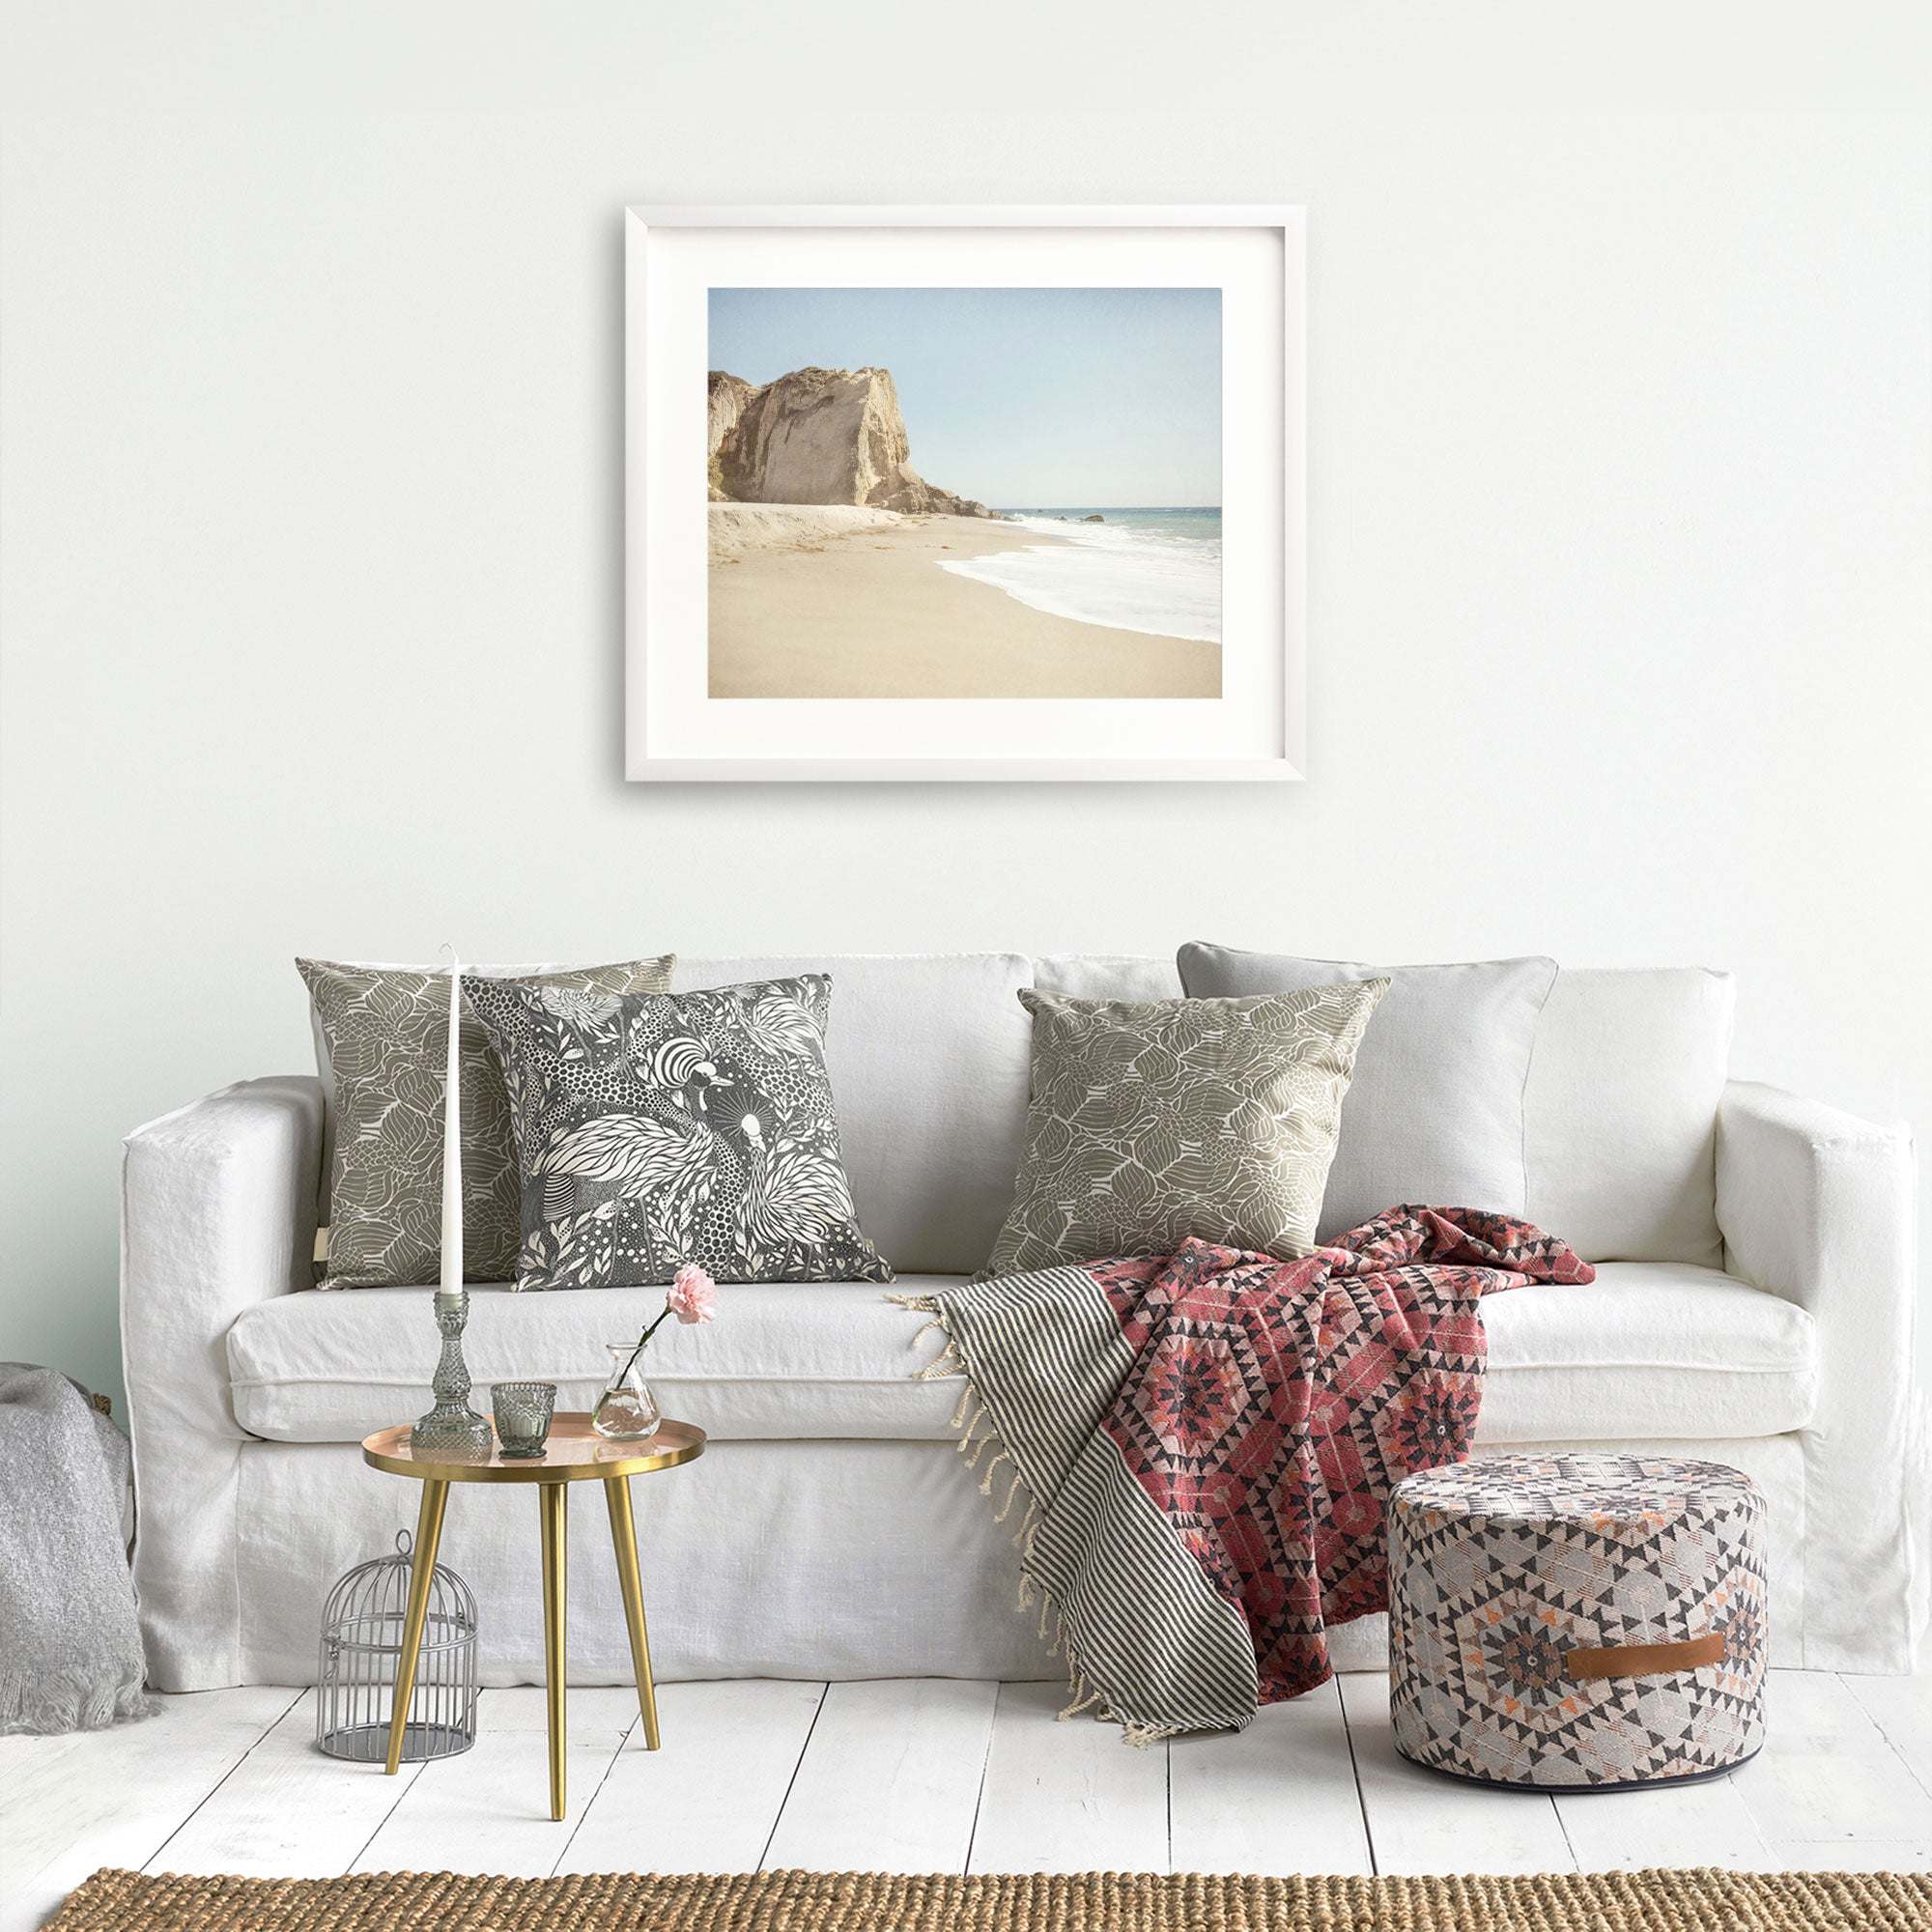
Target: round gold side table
573,1454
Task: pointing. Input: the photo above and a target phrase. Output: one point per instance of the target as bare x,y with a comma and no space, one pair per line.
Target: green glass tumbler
522,1412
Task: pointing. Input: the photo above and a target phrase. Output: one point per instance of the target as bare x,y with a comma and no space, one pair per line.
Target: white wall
1620,475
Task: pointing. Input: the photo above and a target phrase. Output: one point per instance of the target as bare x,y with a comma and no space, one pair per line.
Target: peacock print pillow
654,1130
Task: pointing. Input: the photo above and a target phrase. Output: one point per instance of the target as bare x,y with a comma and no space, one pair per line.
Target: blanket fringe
70,1702
979,1431
1004,1509
947,1363
1082,1696
943,1366
1023,1534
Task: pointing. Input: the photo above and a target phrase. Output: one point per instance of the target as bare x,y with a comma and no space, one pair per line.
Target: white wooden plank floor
928,1775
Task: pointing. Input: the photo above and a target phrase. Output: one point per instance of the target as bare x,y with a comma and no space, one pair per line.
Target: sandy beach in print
856,603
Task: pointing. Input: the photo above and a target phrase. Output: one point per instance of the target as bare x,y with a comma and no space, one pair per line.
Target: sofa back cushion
929,1057
1621,1111
927,1053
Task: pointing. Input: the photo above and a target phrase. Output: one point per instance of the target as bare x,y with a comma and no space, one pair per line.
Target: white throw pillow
1621,1111
1434,1114
1106,975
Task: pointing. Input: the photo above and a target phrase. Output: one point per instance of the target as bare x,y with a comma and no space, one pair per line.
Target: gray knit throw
70,1643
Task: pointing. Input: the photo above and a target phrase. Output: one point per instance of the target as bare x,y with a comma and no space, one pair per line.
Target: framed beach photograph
964,493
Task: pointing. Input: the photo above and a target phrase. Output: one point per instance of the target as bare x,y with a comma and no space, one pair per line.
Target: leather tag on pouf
1644,1659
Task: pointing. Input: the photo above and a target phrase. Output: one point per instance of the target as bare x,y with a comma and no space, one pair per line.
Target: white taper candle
452,1142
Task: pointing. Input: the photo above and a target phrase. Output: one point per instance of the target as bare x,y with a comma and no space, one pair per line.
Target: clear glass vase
627,1410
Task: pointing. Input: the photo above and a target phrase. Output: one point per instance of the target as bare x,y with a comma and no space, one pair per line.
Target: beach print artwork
964,493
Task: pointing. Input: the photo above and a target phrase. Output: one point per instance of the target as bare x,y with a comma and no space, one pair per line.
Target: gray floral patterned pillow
1151,1122
386,1033
690,1127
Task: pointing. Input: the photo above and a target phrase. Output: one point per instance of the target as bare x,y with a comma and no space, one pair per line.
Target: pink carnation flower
692,1295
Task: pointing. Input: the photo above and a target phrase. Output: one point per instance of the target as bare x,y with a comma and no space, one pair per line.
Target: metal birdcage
362,1644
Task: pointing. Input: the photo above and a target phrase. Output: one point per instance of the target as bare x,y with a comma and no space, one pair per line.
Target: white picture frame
676,732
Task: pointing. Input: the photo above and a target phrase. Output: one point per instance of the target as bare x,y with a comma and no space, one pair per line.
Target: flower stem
650,1329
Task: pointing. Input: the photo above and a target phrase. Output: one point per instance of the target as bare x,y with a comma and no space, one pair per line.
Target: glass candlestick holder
452,1429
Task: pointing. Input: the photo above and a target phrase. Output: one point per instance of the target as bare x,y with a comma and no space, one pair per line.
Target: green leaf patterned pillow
385,1032
690,1127
1149,1122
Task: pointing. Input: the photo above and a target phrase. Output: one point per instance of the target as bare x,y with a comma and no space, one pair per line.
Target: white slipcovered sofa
1753,1304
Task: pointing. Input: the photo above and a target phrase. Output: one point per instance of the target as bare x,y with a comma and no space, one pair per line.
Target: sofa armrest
1818,1205
218,1211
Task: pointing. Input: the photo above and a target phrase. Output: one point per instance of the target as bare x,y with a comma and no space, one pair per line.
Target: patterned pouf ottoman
1588,1622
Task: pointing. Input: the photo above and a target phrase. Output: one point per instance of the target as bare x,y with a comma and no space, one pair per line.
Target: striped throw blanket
1203,1444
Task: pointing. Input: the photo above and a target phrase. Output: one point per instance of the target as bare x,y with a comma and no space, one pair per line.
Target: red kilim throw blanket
1205,1443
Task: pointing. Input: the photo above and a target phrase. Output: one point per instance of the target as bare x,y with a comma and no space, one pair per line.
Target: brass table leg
624,1537
422,1568
554,1500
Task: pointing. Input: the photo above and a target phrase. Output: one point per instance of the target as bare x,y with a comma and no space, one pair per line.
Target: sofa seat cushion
781,1359
1650,1351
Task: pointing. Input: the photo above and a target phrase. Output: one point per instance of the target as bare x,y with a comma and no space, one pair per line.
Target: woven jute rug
788,1901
